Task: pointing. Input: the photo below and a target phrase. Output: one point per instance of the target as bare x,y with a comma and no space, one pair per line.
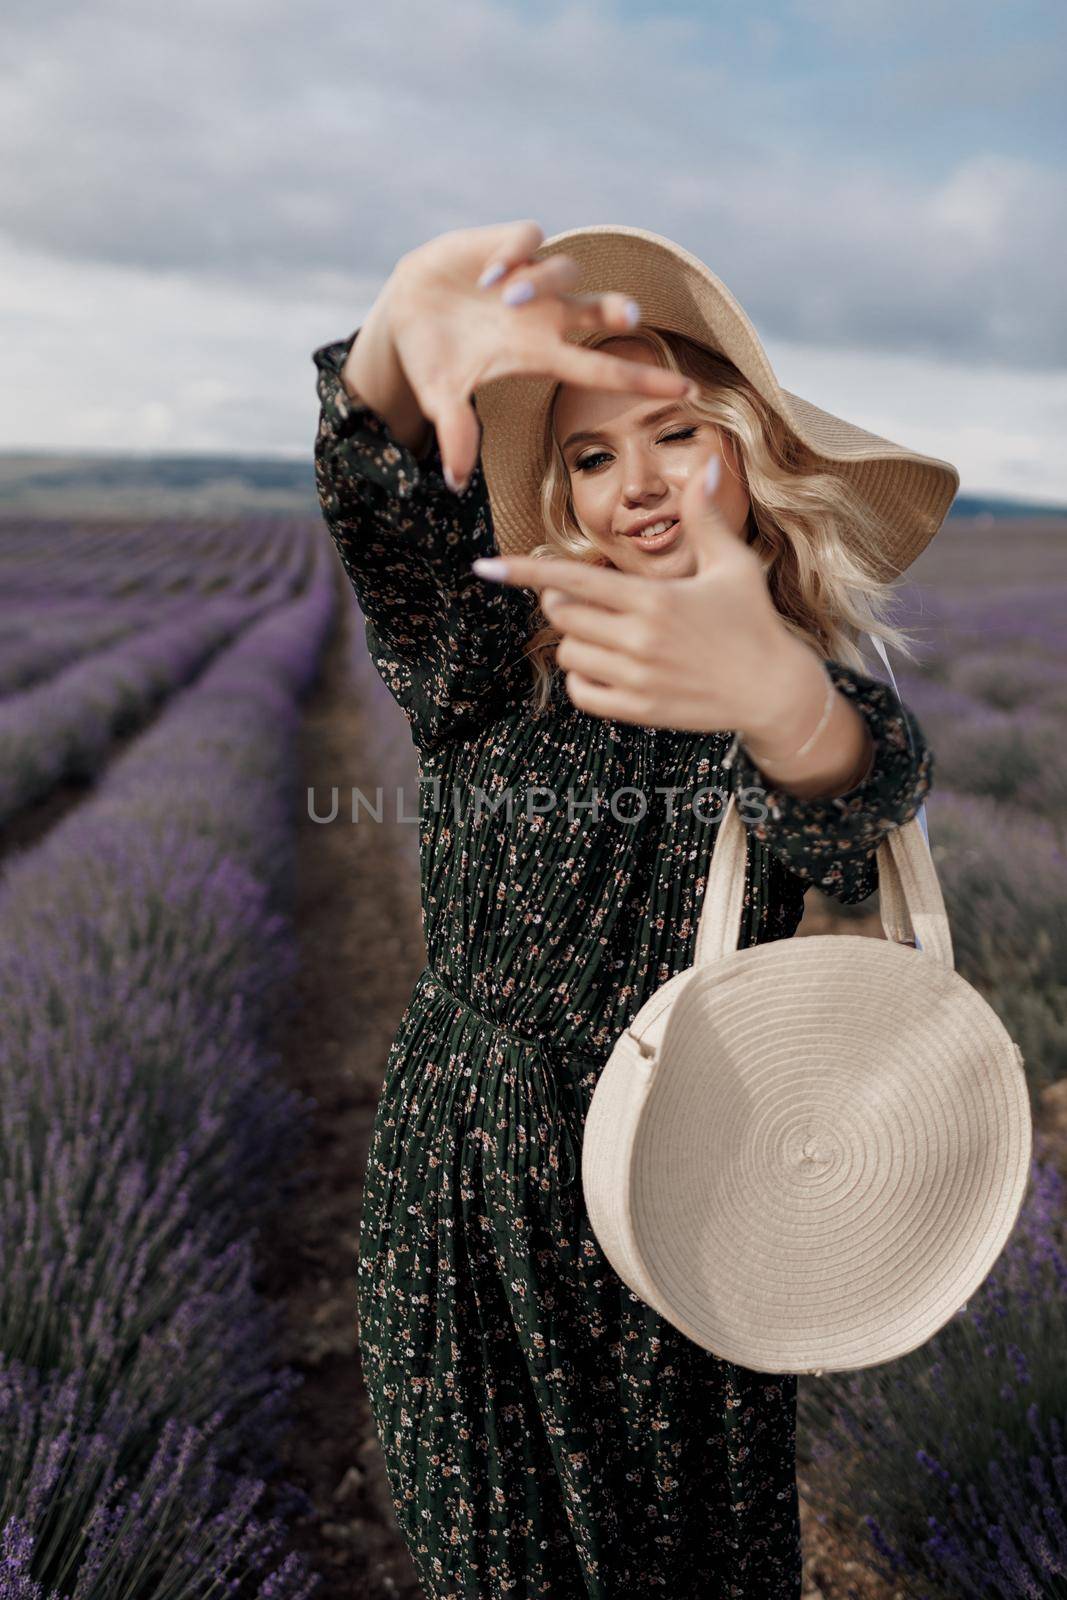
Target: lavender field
944,1474
153,675
197,990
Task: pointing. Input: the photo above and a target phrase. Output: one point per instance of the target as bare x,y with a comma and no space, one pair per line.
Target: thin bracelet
831,690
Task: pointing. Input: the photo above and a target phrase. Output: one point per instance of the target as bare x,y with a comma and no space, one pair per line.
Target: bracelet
831,690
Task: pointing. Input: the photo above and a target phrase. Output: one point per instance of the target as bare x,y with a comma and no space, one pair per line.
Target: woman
545,1432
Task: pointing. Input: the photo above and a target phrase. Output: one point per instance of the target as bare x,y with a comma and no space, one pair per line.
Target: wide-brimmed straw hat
909,492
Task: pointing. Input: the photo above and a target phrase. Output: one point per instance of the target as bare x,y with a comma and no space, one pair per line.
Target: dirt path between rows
361,948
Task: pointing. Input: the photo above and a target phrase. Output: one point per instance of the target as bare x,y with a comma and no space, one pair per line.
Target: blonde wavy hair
825,590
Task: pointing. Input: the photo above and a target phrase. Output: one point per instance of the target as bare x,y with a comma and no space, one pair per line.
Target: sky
199,194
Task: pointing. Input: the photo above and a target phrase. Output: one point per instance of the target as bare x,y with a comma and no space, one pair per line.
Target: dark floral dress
546,1433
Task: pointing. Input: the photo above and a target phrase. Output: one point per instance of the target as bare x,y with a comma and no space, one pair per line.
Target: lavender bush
935,702
1019,757
1004,879
143,950
948,1465
946,1470
990,693
63,728
1014,754
1027,619
59,638
67,593
55,559
179,1524
1010,681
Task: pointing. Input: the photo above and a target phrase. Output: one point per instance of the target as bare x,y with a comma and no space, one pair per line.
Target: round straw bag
807,1155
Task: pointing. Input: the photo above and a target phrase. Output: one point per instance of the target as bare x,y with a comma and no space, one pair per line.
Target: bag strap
880,647
910,899
909,893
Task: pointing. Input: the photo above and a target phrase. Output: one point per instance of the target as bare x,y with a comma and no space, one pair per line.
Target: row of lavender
147,557
63,600
97,669
955,1455
991,694
144,945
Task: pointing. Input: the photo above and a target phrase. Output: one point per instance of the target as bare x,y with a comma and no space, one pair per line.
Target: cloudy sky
199,193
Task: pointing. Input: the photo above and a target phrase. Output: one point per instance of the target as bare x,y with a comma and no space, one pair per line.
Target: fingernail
711,475
633,313
490,567
491,275
450,479
516,294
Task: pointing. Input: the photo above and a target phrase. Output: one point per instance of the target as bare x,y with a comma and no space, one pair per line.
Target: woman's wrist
373,375
813,742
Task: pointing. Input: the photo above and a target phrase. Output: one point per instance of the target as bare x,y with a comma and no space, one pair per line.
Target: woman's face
635,469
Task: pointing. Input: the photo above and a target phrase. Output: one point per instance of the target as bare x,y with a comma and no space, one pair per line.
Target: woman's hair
825,590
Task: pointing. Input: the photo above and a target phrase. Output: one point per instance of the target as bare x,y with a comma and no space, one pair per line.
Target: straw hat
808,1155
676,291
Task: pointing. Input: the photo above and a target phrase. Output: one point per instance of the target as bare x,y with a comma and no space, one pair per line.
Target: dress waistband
545,1046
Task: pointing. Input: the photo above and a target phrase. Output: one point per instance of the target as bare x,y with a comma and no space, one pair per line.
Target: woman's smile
656,541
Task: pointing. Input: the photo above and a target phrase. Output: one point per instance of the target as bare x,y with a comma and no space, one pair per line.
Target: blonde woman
546,1433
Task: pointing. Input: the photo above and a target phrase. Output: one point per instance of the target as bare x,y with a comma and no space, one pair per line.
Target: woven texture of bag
808,1155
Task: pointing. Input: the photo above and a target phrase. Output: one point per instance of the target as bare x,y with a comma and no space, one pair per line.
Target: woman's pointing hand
704,652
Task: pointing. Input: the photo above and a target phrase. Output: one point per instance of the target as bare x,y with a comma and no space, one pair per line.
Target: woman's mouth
657,540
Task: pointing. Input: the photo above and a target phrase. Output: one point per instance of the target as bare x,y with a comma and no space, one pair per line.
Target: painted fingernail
492,275
490,567
633,313
516,294
711,475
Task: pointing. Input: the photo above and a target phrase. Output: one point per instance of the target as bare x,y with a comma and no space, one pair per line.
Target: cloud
865,21
236,172
110,358
107,358
261,144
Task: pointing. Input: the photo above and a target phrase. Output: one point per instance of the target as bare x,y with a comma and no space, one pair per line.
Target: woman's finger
604,700
595,661
581,619
520,241
541,280
459,437
610,310
595,369
619,591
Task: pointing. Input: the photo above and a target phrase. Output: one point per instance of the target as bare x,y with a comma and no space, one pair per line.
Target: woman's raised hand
451,331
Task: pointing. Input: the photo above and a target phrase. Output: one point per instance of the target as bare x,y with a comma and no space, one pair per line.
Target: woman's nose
643,480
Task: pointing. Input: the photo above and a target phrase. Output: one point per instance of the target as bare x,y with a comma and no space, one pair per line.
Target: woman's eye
586,462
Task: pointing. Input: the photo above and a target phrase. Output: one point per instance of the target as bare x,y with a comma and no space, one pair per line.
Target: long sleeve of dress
833,843
449,646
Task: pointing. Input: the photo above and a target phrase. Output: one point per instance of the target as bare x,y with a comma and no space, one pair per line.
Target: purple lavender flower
144,945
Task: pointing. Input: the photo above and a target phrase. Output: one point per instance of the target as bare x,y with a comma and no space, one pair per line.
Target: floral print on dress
545,1432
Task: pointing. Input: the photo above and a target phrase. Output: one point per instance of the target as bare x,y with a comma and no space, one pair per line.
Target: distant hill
96,485
73,485
973,505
